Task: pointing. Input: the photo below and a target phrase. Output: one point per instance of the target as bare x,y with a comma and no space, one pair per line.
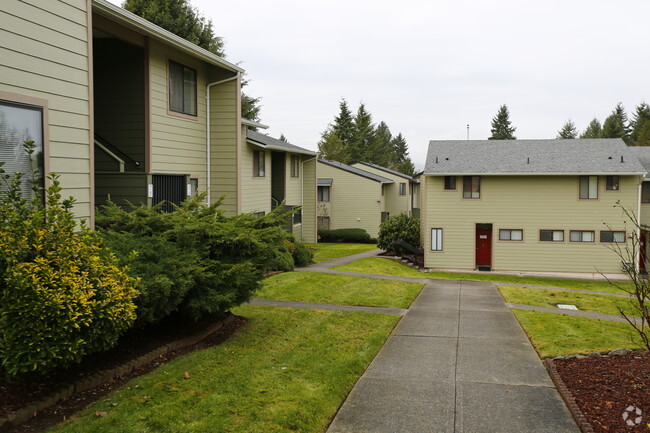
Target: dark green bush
345,236
399,228
61,295
195,261
302,255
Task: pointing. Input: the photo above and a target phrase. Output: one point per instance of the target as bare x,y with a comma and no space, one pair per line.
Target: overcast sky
429,68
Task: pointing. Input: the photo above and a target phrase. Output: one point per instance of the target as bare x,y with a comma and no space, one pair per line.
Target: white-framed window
551,235
588,187
436,239
182,89
471,186
20,123
259,163
582,236
612,236
194,186
295,166
402,188
511,235
323,193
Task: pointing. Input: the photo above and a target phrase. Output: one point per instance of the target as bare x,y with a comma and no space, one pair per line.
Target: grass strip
330,251
558,335
285,370
339,289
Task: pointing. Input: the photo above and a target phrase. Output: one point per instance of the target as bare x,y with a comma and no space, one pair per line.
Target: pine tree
616,124
344,124
381,149
400,160
332,148
364,131
641,116
182,19
568,130
644,134
501,125
594,130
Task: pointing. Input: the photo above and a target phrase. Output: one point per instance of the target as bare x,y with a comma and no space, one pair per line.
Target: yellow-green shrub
61,295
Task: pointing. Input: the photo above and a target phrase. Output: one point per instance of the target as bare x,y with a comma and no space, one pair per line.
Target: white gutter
207,133
637,253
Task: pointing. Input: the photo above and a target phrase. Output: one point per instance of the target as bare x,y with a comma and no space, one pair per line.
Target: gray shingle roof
545,157
356,171
643,155
325,181
387,170
275,144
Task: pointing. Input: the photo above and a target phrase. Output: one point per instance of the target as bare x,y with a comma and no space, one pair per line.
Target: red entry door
483,247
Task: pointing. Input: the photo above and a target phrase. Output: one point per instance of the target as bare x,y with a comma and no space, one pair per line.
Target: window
436,239
297,216
471,186
20,123
450,182
581,236
612,236
182,89
323,193
259,214
323,223
194,187
402,189
382,189
511,235
259,162
295,166
588,187
385,216
612,183
551,235
645,192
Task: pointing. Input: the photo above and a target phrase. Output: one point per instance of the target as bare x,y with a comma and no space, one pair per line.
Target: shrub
61,295
195,261
345,236
302,255
399,228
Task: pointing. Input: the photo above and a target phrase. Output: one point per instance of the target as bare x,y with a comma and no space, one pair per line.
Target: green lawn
550,298
339,289
285,370
325,251
557,335
375,265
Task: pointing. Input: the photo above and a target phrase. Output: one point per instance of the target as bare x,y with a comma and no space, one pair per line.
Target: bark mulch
16,394
607,388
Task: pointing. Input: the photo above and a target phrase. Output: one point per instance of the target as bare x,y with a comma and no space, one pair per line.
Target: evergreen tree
616,124
363,136
381,150
182,19
641,116
594,130
400,160
644,134
568,130
344,124
332,148
501,125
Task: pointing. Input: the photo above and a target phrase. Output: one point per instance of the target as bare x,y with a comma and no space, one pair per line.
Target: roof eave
133,21
253,123
281,149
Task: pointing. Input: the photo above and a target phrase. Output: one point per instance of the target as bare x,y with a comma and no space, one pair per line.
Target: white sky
429,68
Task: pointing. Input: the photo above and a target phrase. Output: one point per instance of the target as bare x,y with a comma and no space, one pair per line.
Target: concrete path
332,307
458,361
587,314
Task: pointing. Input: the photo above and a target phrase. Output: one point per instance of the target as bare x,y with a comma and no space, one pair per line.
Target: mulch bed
418,261
604,388
21,392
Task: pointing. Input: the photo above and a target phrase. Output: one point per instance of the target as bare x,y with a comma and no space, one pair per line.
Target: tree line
634,131
355,138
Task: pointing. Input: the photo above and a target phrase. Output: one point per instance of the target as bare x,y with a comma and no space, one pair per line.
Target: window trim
471,182
43,105
581,241
588,187
256,164
442,239
510,233
402,184
600,236
295,169
647,188
319,195
618,182
552,241
182,114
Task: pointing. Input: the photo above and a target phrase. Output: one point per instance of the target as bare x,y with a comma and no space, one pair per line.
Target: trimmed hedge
359,236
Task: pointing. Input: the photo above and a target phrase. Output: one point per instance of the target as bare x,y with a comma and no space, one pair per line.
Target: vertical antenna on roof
468,131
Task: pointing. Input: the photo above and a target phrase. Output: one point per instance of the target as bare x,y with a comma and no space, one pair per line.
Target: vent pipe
528,160
622,160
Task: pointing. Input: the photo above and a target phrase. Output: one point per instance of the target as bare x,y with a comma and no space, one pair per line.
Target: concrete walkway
458,361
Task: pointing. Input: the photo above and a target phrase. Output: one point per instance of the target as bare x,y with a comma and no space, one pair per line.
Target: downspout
637,255
302,194
207,133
